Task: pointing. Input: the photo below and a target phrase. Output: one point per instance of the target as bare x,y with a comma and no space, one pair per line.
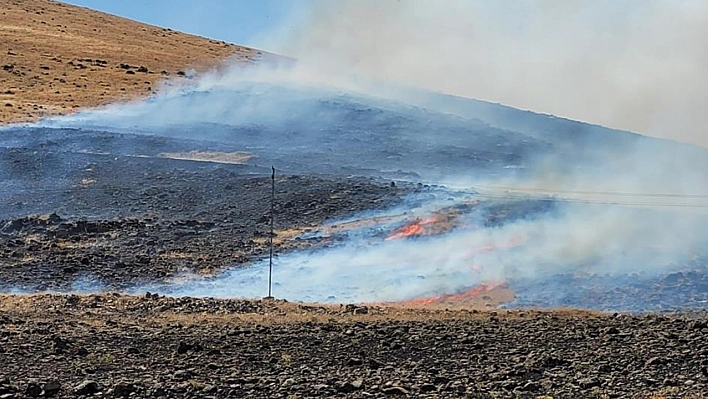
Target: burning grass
490,294
442,221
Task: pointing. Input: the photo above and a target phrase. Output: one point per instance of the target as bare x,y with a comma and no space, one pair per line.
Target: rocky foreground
120,346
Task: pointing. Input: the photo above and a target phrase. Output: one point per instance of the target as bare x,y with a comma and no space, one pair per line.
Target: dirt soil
56,58
118,346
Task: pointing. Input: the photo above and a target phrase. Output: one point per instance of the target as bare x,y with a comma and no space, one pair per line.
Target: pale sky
235,21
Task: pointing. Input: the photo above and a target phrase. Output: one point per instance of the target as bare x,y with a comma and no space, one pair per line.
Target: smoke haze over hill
634,65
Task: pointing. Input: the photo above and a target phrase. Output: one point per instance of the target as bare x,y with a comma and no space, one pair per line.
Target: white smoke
595,240
636,65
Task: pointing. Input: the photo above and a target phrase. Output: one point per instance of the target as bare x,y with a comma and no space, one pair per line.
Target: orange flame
418,227
442,221
458,297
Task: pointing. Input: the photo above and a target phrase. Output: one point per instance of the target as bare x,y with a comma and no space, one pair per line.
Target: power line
581,192
511,193
592,201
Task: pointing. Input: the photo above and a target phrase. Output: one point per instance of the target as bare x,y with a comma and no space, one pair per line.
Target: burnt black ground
115,220
682,289
71,346
92,210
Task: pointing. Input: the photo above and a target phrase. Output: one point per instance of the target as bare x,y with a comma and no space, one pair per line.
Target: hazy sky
236,21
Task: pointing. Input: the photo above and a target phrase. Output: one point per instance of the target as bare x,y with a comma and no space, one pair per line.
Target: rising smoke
635,65
575,240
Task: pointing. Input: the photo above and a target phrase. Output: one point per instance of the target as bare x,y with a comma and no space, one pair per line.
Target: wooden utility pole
272,233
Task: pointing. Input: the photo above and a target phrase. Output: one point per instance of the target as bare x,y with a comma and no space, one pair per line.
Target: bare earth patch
206,156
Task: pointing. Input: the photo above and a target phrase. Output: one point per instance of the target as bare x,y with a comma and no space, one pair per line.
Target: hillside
57,57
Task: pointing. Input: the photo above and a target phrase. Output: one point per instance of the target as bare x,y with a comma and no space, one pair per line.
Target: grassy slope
49,52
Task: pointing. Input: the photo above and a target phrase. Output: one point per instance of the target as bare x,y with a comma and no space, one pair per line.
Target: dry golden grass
277,312
69,244
284,237
56,58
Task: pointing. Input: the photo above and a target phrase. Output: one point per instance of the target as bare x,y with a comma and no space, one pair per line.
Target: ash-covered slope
305,131
302,128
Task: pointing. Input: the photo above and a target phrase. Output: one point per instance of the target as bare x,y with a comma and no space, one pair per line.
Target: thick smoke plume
635,65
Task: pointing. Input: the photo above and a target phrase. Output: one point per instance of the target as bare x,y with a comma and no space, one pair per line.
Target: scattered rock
587,383
249,361
86,388
182,374
425,388
354,362
355,309
395,390
183,348
612,330
349,387
656,361
123,390
441,380
33,390
51,388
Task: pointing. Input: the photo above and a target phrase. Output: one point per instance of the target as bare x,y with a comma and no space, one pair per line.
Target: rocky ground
118,346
